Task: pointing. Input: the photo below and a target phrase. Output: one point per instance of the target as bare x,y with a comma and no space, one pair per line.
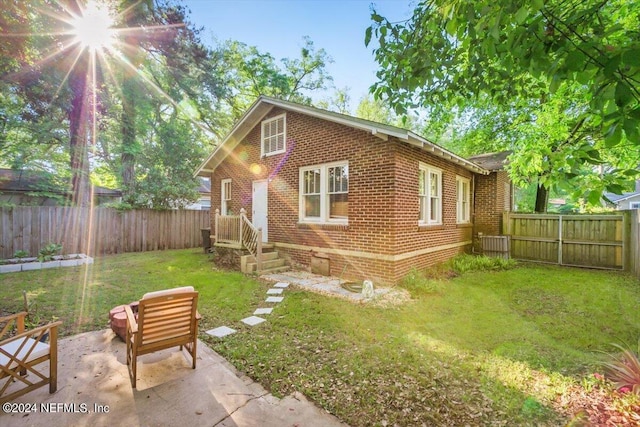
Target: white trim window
634,205
273,137
225,196
463,200
324,193
430,195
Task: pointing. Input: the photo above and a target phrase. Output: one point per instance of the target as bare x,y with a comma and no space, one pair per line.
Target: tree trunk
542,197
128,141
78,137
136,10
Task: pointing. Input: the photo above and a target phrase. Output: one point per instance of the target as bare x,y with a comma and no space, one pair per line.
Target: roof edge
378,129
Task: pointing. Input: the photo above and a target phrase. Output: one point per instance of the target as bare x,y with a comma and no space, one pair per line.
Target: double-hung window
324,193
430,195
225,196
463,200
273,136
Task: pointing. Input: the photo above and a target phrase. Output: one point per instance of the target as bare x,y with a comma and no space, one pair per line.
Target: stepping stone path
278,289
253,320
221,332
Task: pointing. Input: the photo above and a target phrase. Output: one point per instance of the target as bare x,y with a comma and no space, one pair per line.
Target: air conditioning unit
495,246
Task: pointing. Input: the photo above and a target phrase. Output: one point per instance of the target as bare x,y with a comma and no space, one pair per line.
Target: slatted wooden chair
166,319
21,353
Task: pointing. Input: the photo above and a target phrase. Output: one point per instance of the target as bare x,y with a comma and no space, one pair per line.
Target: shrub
20,254
417,282
623,369
47,252
467,263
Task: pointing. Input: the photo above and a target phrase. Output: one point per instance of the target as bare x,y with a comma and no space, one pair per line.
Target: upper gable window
274,135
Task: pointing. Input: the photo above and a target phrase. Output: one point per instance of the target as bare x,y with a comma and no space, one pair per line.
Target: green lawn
484,348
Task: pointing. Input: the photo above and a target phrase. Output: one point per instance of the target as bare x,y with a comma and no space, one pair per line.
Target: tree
145,116
338,102
250,73
53,101
469,55
376,110
35,106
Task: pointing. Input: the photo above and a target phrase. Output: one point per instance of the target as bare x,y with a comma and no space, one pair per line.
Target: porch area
236,232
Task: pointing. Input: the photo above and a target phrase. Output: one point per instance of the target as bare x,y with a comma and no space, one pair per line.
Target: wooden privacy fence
634,242
98,231
595,241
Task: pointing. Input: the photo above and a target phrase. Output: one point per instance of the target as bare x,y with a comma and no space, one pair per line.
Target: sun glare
93,28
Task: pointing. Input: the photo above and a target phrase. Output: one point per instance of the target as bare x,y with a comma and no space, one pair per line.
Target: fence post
259,251
633,241
243,215
559,239
215,224
627,239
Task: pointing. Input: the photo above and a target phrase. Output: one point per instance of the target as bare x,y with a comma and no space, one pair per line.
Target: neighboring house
625,200
204,201
38,188
371,201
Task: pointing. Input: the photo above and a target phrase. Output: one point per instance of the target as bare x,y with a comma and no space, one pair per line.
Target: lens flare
93,28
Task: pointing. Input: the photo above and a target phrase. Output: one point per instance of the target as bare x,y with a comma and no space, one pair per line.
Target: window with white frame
634,205
225,196
273,135
324,193
430,194
463,200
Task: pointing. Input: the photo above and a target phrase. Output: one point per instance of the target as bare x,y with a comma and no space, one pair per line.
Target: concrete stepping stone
253,320
263,311
274,299
282,285
221,331
275,291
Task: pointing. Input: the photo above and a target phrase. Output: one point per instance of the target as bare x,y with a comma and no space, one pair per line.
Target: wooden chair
165,319
22,352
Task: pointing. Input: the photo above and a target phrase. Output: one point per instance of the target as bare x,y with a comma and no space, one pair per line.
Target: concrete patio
94,390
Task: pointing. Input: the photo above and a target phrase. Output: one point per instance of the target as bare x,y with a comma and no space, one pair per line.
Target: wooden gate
595,241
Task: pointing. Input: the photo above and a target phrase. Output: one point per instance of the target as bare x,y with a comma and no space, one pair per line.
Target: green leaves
613,136
367,36
631,57
551,66
522,14
623,95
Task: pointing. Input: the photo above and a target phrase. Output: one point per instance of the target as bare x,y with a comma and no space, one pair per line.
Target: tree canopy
140,113
556,81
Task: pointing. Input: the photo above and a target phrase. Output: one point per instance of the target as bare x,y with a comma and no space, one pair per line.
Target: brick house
350,197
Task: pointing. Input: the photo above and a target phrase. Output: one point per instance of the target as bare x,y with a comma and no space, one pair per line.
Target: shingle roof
264,104
26,180
615,198
491,161
23,180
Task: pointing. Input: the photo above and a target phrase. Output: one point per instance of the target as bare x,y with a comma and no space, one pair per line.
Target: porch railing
237,231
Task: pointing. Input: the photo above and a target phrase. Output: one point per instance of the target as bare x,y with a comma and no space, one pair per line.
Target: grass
81,297
483,348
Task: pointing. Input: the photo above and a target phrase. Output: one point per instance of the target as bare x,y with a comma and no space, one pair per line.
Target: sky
278,27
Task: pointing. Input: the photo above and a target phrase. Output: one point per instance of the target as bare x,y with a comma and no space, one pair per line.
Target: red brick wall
492,198
383,201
